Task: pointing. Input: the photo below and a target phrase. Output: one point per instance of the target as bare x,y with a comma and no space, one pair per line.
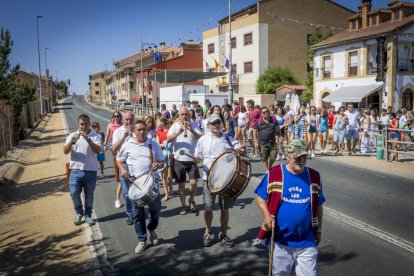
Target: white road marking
402,243
105,119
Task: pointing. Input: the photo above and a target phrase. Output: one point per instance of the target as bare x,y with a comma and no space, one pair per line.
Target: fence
30,114
403,147
138,111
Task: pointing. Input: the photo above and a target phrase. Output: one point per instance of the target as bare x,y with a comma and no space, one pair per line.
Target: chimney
162,45
365,9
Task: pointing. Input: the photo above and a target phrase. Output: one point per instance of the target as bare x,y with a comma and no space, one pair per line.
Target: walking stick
272,248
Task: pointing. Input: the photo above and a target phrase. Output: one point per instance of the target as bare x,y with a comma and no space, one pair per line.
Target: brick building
266,34
97,88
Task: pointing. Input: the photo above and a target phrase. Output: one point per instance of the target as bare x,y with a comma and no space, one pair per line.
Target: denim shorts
351,134
395,135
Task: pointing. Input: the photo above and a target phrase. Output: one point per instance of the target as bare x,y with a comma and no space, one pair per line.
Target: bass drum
229,175
144,189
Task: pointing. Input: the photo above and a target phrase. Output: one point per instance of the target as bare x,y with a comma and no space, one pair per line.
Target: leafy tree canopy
273,78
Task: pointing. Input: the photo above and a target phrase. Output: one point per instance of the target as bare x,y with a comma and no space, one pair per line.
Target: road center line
80,107
402,243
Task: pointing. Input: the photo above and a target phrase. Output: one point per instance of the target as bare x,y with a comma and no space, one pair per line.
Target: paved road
368,224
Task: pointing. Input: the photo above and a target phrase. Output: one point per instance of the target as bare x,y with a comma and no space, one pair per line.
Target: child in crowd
100,156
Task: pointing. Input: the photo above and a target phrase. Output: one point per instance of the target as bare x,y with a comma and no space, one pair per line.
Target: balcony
405,65
326,73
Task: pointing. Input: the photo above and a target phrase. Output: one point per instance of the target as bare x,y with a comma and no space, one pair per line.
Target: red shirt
331,117
162,135
394,124
254,114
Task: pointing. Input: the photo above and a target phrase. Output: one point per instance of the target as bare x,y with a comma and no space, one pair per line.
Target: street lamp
230,58
40,71
46,73
142,76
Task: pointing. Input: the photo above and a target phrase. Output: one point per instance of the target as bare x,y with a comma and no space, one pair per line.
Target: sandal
165,198
193,207
183,211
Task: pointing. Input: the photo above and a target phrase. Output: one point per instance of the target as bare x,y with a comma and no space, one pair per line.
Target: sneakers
227,242
208,239
89,221
153,237
130,220
278,158
141,247
117,204
313,155
78,219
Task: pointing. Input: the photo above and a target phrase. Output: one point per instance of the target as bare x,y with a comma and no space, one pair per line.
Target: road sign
114,98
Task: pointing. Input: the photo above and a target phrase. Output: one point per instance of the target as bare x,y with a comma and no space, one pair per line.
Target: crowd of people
172,142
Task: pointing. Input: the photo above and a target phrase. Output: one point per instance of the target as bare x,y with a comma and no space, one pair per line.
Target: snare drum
144,190
229,175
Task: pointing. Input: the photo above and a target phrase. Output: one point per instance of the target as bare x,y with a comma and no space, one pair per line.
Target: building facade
48,86
97,88
266,34
371,63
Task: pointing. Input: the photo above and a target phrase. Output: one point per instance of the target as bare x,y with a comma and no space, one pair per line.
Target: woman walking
339,127
280,118
394,135
230,125
366,132
161,138
312,131
323,130
243,122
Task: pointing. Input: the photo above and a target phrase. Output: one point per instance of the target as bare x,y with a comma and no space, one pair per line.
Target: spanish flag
216,65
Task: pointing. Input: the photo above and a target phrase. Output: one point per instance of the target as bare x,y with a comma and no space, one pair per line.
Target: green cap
298,147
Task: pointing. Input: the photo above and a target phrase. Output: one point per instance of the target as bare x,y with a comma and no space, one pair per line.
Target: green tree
16,95
273,78
314,38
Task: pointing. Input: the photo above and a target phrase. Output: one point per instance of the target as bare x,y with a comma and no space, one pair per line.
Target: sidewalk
37,231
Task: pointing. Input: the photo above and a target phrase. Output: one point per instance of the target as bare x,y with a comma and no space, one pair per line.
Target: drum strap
151,156
228,142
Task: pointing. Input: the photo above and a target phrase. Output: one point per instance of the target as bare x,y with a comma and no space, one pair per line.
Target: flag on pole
227,63
216,65
208,67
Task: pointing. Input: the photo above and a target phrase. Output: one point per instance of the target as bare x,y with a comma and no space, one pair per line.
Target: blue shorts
395,135
100,156
312,129
351,134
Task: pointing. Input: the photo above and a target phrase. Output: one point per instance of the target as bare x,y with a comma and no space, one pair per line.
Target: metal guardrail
138,111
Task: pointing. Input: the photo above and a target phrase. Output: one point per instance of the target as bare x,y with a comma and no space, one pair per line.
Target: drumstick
272,248
182,152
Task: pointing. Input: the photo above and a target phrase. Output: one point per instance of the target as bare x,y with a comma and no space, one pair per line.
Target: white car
126,106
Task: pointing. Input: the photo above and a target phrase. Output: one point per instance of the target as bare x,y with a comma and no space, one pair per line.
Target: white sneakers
141,247
117,204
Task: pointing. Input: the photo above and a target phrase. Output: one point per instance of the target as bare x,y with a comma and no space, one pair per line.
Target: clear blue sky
85,36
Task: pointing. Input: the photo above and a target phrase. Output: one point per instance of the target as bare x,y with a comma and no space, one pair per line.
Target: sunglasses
116,116
265,112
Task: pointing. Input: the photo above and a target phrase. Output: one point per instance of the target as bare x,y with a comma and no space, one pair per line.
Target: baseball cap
298,147
213,117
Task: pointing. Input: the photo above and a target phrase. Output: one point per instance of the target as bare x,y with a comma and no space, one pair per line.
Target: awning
352,94
183,76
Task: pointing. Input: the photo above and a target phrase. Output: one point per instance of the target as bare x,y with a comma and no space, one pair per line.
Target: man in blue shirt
297,225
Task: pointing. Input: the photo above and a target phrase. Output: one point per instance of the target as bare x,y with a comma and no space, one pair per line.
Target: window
397,14
96,92
131,85
407,99
374,20
96,84
326,67
353,64
354,25
248,39
248,67
233,43
210,48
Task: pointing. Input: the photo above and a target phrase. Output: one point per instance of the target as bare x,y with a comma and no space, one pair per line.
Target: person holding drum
121,136
184,135
290,199
142,155
208,149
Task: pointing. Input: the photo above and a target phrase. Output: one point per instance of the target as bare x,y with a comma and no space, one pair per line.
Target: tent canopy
174,76
352,94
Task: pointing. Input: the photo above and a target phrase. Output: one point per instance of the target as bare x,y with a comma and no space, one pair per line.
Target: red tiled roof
289,87
349,36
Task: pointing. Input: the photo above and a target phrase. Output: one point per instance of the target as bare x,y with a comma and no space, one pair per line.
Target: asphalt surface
367,227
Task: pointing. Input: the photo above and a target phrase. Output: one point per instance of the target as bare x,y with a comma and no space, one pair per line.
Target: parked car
126,106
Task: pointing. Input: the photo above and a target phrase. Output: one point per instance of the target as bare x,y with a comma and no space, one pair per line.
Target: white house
370,63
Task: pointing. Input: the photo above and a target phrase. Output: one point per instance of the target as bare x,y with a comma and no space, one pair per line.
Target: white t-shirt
241,118
385,120
209,147
187,144
118,133
137,156
402,122
352,119
82,156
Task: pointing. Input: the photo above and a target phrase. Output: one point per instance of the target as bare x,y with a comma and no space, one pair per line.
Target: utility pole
47,74
40,71
230,58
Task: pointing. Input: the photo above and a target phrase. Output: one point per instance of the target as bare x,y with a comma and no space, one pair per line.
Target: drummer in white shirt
208,149
136,154
121,136
83,145
183,135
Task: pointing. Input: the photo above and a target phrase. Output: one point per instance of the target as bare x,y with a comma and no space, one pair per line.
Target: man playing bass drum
208,149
